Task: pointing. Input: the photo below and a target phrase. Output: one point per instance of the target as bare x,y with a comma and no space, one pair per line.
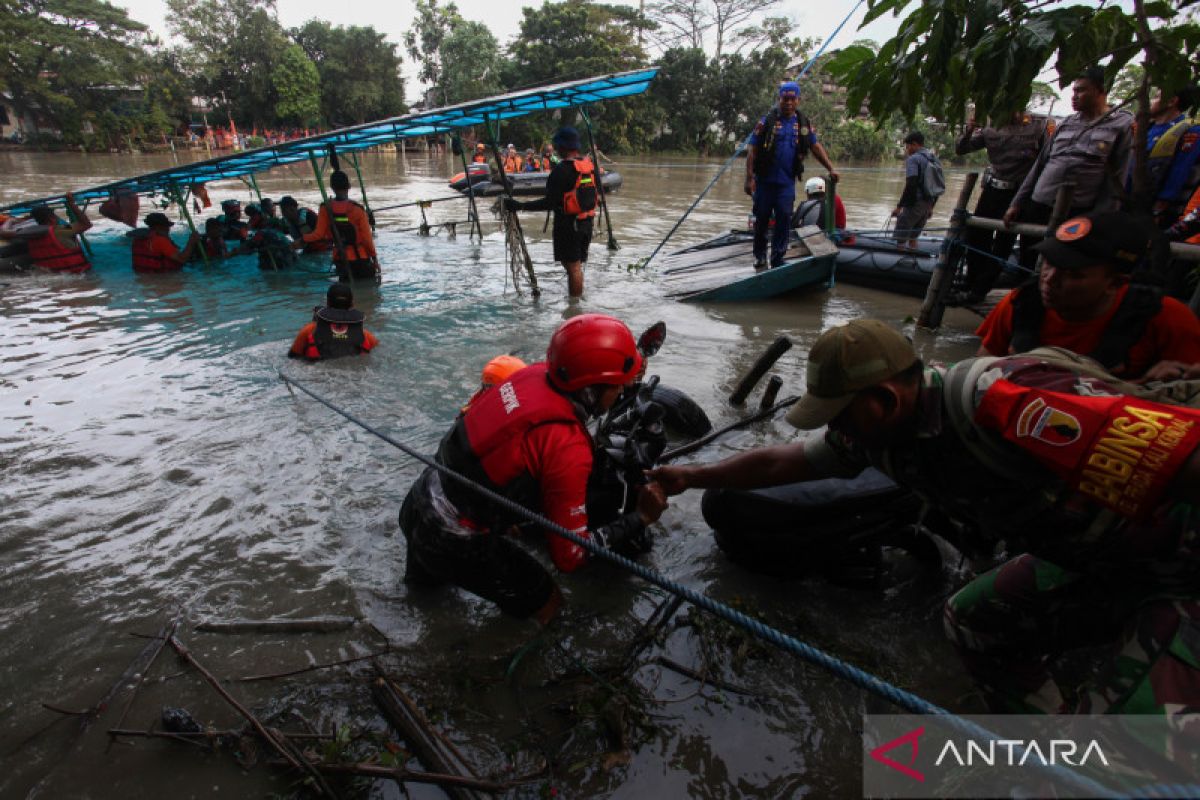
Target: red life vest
486,441
146,259
580,201
49,253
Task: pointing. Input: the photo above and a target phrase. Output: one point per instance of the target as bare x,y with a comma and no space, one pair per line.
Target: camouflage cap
844,361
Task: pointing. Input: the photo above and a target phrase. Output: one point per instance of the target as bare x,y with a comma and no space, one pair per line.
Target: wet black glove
627,535
513,204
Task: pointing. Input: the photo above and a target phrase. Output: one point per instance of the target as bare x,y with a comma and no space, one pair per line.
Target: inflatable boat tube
816,526
684,416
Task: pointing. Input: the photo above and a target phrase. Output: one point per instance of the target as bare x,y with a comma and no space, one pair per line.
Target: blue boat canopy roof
371,134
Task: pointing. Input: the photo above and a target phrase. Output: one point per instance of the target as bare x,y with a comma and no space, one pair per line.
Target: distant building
18,124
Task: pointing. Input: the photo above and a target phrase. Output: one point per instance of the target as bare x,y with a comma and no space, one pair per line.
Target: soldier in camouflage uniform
1038,450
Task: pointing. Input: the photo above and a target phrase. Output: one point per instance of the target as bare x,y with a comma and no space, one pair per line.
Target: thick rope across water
847,672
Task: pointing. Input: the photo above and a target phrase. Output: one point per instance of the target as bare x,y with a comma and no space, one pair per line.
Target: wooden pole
421,737
943,274
470,192
514,222
587,121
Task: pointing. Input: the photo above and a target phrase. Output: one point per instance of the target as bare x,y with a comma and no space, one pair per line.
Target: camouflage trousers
1011,623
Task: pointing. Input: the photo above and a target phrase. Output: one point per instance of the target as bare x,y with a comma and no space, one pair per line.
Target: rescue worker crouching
345,223
336,330
527,440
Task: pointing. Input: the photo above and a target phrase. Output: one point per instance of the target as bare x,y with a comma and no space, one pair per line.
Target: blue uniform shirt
785,148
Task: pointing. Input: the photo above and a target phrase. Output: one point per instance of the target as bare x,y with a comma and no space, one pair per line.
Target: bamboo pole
362,187
424,741
934,305
181,201
83,242
337,236
587,121
254,186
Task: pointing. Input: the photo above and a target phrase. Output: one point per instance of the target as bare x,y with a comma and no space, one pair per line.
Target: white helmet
814,185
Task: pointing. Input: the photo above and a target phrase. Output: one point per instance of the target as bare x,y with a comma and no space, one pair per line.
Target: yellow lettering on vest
1120,444
1142,430
1156,418
1113,466
1102,493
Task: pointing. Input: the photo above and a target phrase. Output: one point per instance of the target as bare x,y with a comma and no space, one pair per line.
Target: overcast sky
503,17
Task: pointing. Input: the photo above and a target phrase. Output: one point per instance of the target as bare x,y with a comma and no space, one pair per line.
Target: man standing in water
774,162
571,194
345,223
527,439
1087,482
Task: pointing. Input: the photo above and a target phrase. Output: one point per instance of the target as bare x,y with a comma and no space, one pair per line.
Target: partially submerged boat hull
724,271
530,184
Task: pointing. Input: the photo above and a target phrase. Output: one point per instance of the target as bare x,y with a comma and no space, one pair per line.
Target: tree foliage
948,53
359,72
68,59
951,53
298,85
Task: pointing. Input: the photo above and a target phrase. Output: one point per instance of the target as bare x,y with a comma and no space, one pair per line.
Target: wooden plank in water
431,748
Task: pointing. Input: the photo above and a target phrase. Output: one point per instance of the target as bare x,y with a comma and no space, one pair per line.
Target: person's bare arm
754,469
818,151
79,218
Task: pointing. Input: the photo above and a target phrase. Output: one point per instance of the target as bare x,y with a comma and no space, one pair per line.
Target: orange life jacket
1192,205
580,202
49,253
147,259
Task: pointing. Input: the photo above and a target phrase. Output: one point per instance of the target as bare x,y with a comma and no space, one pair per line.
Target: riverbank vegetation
95,78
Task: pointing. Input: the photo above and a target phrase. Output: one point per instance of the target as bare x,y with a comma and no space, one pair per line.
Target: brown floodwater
150,457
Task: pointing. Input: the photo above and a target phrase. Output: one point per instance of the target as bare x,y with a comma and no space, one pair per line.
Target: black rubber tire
684,416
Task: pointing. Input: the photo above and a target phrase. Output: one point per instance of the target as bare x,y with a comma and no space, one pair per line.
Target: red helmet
590,349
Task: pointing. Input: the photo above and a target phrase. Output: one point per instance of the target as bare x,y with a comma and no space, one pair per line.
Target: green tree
430,28
233,47
1125,85
473,64
298,85
575,39
359,72
948,53
683,94
68,59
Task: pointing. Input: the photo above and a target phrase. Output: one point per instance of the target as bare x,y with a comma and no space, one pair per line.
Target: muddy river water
150,457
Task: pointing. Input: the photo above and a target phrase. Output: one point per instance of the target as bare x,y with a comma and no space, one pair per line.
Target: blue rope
742,145
806,652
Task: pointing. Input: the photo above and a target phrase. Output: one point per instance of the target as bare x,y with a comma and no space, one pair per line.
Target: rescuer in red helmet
527,440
